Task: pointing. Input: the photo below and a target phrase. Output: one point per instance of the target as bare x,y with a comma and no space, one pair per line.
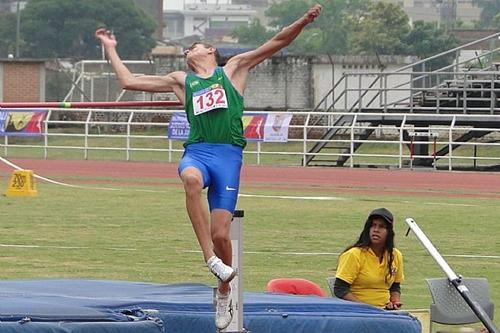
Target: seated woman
371,270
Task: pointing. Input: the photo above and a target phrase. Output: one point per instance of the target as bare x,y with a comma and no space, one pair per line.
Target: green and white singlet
214,110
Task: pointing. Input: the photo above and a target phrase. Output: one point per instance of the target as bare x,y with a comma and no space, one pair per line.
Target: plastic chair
450,308
294,286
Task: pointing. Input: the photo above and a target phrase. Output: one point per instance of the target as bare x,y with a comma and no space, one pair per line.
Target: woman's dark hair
364,241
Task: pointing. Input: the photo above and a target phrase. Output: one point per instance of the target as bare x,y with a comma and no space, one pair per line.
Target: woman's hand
393,305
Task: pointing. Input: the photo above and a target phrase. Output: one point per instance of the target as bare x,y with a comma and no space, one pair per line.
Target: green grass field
138,235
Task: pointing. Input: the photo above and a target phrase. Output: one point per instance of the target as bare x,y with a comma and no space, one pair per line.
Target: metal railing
471,92
131,131
406,77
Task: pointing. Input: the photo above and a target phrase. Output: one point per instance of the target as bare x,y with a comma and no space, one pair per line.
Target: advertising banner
22,122
253,126
276,128
268,127
179,126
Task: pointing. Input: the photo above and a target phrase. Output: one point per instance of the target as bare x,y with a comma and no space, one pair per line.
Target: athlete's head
199,50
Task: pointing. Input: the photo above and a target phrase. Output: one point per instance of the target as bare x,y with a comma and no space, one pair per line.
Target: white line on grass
441,204
32,246
472,256
289,197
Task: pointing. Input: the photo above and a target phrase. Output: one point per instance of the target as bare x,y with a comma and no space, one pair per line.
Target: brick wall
21,81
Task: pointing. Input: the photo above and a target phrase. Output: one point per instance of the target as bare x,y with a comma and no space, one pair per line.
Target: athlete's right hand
106,37
313,13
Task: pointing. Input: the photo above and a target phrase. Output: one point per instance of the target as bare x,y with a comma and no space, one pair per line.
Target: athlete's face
378,231
197,52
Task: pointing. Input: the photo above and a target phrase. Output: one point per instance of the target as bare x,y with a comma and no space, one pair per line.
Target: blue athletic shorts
220,166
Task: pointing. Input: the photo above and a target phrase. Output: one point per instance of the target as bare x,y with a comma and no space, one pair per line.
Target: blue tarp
116,306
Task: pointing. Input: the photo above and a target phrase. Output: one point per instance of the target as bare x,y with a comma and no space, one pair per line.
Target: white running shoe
222,271
223,310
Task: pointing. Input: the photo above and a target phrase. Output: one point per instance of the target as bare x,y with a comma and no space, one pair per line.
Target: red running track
409,182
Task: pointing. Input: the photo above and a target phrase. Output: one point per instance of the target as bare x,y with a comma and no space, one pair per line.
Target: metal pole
454,278
475,156
46,135
430,247
411,151
236,325
18,27
258,152
434,153
77,105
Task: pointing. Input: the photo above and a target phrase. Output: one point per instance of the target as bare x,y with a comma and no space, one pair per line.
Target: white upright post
236,325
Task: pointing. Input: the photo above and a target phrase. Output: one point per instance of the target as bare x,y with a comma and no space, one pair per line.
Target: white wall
325,75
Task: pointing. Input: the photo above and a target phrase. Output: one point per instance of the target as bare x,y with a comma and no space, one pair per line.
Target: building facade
440,11
22,80
210,19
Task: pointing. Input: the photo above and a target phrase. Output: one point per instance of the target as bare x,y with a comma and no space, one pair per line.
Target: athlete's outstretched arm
237,67
170,82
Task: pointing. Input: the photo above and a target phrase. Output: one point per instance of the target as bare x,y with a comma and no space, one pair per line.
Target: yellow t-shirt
362,269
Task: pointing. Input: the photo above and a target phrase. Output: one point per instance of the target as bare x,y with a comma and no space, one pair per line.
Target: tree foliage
380,30
351,27
425,39
7,34
253,34
65,28
489,9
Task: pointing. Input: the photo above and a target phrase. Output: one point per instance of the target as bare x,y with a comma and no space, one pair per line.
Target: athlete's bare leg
221,238
197,211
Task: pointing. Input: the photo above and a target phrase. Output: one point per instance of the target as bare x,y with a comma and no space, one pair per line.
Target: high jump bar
77,105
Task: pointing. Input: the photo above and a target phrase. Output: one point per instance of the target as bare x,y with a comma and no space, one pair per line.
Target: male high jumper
213,100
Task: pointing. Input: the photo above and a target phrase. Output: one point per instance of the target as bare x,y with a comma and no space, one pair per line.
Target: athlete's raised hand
313,12
106,37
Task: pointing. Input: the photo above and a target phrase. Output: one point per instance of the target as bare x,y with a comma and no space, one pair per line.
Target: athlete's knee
192,183
220,237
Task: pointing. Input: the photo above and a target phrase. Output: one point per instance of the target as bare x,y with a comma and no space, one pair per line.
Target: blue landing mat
81,306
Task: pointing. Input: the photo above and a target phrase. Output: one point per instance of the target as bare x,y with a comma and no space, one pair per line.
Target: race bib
205,100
